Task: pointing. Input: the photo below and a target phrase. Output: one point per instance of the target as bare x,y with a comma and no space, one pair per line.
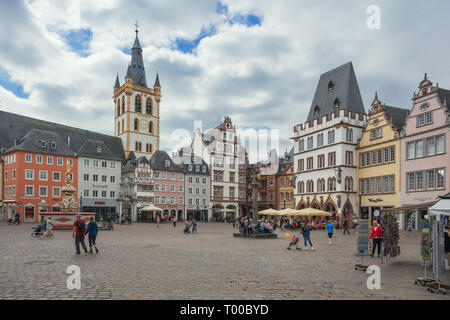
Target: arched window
349,135
138,104
282,197
301,145
282,183
123,106
118,127
123,125
287,182
292,196
150,127
331,184
118,107
331,136
148,106
136,124
301,187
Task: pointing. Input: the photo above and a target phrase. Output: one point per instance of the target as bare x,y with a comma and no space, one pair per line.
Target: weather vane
136,25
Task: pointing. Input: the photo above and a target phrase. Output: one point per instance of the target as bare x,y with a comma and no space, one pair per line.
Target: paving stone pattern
141,261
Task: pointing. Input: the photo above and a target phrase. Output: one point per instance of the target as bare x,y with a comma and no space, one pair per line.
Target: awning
311,212
412,207
442,207
150,208
268,212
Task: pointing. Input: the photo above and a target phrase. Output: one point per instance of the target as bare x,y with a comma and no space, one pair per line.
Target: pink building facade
425,153
169,186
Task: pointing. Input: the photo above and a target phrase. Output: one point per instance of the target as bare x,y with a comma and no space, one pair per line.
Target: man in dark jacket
345,225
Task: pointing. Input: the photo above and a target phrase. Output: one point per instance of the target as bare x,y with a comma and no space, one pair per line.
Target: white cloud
260,76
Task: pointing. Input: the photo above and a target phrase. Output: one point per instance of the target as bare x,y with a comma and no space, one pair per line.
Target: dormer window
167,164
330,86
99,149
53,145
190,167
424,91
424,107
337,103
43,144
316,110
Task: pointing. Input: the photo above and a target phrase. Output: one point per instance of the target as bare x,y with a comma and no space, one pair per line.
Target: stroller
294,242
37,231
187,228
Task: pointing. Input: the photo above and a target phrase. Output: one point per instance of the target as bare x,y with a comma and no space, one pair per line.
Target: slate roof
157,81
397,115
117,84
196,162
31,142
14,126
345,89
158,160
136,69
91,147
131,165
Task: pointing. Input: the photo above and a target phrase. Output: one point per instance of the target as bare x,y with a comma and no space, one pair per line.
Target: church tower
136,111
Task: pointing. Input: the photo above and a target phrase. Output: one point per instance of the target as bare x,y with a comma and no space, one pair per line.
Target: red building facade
33,181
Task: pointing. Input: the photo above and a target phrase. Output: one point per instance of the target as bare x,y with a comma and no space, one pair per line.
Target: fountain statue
68,203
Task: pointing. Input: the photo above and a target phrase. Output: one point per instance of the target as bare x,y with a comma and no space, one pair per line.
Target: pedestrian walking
306,232
92,231
78,232
330,230
158,220
345,225
174,222
194,226
17,218
377,238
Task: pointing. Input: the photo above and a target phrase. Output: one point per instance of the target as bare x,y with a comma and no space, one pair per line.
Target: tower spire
157,81
117,84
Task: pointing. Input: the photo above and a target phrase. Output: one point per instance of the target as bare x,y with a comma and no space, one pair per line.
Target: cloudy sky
256,61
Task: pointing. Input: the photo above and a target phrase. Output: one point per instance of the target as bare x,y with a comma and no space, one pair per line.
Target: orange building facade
32,183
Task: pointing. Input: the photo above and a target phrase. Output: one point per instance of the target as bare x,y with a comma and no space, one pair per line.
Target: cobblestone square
141,261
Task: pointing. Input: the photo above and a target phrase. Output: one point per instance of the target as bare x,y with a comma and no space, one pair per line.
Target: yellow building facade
378,152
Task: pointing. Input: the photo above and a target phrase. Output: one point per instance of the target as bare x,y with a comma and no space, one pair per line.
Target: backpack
81,226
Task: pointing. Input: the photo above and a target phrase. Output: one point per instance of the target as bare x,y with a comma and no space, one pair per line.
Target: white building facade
98,185
324,153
